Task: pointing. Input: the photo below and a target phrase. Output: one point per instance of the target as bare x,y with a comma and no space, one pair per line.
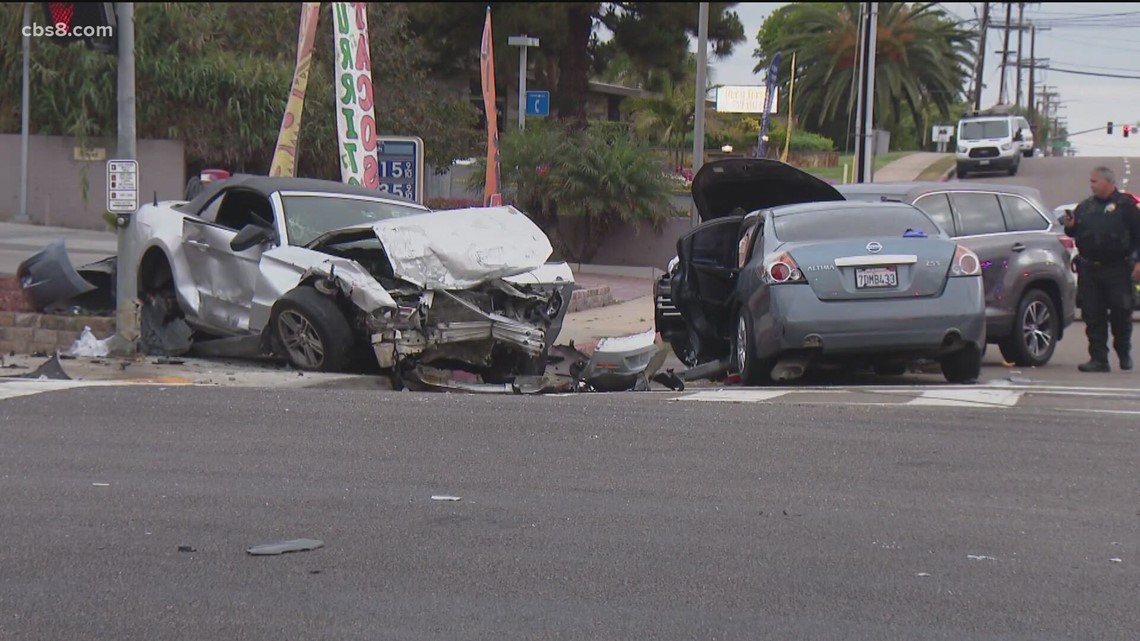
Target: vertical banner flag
355,120
492,190
285,154
791,96
766,117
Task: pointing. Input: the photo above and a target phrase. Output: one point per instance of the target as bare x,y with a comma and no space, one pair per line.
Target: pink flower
543,170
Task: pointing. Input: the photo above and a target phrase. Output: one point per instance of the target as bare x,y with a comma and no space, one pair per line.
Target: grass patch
938,169
836,173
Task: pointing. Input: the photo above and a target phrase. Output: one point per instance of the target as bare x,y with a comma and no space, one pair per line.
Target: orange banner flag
285,154
492,190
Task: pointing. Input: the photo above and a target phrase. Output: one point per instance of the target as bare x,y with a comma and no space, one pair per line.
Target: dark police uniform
1107,233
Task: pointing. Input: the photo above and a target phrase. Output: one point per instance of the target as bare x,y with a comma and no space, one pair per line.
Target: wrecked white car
328,275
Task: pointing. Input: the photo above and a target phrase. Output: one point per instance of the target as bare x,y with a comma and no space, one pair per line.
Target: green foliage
217,77
601,176
923,60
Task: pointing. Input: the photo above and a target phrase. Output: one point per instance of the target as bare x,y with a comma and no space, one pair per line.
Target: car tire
962,366
1013,169
752,370
1037,319
311,332
961,172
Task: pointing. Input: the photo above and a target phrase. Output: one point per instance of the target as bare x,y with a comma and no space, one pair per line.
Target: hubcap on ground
300,339
1037,329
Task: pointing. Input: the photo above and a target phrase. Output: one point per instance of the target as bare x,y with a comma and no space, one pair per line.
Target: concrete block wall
29,333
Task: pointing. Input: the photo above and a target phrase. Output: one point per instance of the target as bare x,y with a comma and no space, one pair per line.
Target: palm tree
923,58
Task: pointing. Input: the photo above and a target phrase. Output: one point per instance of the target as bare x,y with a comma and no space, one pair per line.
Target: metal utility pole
699,113
981,65
865,151
1003,96
523,42
22,215
126,265
1020,48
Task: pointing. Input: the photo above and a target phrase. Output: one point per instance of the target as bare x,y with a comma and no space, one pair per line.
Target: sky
1084,37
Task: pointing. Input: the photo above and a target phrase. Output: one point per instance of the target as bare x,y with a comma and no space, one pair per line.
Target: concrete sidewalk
909,167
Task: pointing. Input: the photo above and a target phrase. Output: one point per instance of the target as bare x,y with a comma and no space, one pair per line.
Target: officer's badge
1111,208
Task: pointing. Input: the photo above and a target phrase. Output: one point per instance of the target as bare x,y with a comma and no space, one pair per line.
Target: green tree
923,59
217,76
652,35
597,177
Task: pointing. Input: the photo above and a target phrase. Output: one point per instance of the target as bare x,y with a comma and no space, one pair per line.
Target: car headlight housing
1007,146
961,150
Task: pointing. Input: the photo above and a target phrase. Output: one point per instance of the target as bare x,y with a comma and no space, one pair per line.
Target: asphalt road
585,517
1062,180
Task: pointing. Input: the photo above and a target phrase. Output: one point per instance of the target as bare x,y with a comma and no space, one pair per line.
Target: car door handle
1018,247
197,243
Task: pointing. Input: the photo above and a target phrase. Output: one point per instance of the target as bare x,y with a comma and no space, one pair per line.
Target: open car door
705,283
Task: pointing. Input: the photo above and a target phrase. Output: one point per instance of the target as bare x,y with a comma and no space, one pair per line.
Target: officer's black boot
1095,366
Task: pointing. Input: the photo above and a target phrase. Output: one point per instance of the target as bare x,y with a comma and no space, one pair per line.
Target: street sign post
538,103
402,166
122,186
942,134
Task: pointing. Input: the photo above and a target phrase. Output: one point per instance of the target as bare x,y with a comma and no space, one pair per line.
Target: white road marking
734,395
28,387
968,398
1124,412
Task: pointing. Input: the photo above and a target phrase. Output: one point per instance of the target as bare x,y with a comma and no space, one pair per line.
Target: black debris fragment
186,548
52,369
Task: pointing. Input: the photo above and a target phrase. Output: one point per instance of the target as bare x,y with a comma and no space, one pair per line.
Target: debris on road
1116,560
186,548
88,345
446,498
283,547
976,557
51,370
101,484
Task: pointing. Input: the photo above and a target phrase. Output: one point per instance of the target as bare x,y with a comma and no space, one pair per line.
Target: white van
989,143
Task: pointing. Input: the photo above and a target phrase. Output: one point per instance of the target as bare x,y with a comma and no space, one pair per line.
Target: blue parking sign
538,103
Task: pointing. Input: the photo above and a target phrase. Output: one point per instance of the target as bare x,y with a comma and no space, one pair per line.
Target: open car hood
456,248
754,183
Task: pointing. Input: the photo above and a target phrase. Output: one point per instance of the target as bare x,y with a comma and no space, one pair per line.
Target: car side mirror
251,236
1019,137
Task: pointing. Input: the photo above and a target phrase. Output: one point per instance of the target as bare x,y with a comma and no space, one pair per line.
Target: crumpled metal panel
460,248
356,283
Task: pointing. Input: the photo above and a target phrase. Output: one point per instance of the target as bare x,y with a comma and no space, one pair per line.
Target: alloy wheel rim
300,339
741,337
1037,328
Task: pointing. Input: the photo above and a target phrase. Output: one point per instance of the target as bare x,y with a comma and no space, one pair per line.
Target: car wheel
753,371
311,331
962,366
961,172
1013,169
1035,329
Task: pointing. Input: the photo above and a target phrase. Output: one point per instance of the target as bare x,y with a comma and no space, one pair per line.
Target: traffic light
1110,127
92,23
1125,131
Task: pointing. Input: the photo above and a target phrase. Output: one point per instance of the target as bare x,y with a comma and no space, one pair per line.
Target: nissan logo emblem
874,247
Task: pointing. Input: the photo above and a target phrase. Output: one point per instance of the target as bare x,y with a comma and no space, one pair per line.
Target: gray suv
1030,288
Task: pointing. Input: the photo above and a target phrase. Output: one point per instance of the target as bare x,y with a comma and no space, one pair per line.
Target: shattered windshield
984,129
308,217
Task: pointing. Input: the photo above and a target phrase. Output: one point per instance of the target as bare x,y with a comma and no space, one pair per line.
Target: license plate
984,162
873,277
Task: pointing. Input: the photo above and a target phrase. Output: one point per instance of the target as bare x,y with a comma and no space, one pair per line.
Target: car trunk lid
872,269
722,186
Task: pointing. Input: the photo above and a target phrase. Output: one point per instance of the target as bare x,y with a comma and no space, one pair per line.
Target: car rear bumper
912,326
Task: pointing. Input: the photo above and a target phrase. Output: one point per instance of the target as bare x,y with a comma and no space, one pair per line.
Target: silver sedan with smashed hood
783,288
323,273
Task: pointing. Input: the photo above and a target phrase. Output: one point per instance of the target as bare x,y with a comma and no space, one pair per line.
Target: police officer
1106,227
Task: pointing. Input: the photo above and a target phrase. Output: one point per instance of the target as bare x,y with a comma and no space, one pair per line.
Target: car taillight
1067,242
782,269
965,263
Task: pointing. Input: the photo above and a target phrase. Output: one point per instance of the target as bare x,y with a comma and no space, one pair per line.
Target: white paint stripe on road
28,387
734,395
1125,412
968,398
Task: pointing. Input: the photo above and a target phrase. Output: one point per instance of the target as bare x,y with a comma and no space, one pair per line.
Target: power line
1094,74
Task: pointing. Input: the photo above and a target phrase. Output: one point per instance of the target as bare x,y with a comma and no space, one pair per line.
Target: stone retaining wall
28,333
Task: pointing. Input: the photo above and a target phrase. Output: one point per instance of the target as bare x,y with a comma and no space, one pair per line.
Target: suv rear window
978,214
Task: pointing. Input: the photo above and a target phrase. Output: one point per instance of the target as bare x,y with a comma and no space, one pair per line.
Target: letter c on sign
364,92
